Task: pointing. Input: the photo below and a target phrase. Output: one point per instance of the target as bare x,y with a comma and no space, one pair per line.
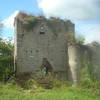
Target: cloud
8,22
93,33
73,9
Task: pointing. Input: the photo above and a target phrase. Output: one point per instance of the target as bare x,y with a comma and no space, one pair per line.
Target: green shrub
28,84
80,39
46,82
87,79
6,60
87,83
30,22
97,85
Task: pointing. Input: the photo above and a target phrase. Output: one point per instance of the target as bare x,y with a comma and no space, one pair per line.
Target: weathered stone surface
47,39
53,39
74,63
95,59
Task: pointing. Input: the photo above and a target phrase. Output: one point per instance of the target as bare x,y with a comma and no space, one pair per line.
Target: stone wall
95,59
90,58
47,39
53,39
74,63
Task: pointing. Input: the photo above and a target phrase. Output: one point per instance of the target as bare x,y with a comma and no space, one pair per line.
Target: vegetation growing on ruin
30,21
80,39
45,88
11,91
35,89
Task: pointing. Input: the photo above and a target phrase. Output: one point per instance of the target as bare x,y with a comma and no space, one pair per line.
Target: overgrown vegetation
14,92
42,81
41,87
6,60
80,39
87,80
30,21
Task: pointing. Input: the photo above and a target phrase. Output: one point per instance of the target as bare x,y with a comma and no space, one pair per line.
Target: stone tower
38,38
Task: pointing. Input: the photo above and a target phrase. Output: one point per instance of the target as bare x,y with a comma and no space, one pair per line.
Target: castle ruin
40,41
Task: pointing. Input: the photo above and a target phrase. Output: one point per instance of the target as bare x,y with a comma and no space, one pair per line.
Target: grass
12,92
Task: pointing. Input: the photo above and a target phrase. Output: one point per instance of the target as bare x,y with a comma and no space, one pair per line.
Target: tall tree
6,60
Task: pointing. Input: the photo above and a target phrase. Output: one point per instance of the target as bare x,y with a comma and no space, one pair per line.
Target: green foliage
28,84
6,60
30,22
87,80
80,39
45,82
87,83
10,92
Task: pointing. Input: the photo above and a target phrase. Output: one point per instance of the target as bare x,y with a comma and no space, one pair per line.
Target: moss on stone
30,22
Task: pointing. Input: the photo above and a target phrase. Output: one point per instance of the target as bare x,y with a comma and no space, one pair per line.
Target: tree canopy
6,60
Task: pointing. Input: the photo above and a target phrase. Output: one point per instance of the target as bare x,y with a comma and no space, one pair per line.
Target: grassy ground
10,92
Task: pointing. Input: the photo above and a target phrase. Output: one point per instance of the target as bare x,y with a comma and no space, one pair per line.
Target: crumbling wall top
22,16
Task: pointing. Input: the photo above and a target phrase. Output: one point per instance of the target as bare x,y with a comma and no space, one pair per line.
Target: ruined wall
47,39
90,59
95,59
53,39
74,63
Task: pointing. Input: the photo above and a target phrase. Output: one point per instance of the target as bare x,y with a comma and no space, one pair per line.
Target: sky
84,13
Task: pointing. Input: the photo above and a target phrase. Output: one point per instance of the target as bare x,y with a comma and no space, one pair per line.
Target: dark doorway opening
46,67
